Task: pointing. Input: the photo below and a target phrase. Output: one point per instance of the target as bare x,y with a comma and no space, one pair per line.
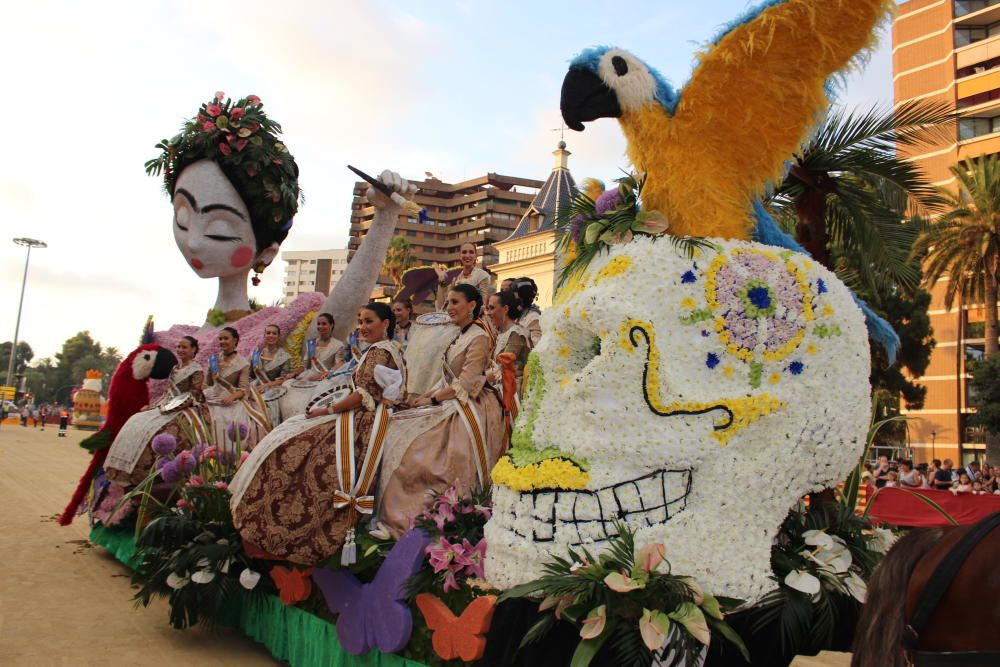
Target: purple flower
170,474
227,456
688,277
164,444
237,431
576,228
607,201
185,462
199,449
160,462
796,367
712,360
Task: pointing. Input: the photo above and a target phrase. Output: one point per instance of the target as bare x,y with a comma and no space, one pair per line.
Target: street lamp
30,243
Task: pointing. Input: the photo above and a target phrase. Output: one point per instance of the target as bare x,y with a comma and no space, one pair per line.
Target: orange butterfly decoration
294,585
458,637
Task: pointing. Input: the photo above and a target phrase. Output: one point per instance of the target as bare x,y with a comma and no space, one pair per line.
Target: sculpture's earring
257,270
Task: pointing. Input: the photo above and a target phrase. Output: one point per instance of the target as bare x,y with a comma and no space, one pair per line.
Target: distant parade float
607,499
88,402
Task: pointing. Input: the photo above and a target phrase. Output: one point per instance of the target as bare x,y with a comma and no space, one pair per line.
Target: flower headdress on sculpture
246,145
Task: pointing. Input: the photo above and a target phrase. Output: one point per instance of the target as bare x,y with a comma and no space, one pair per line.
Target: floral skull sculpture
695,398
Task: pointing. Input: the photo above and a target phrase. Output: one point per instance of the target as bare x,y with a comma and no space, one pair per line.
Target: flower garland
240,137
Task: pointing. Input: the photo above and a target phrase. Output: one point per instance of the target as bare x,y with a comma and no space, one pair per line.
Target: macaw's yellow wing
751,102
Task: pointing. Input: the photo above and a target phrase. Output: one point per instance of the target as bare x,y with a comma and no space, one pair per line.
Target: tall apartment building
312,271
482,210
949,51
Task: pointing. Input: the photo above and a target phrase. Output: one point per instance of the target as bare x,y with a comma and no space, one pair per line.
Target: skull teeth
579,517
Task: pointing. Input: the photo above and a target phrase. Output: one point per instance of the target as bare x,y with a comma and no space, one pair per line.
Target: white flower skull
703,396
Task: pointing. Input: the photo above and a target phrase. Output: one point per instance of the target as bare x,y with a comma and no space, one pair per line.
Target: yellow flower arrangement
546,474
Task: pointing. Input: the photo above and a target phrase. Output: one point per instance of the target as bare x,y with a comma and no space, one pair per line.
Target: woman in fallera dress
510,353
402,310
320,355
530,317
455,434
304,488
180,412
230,398
470,274
271,366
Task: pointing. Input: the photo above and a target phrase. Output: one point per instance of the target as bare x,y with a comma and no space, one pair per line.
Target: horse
914,617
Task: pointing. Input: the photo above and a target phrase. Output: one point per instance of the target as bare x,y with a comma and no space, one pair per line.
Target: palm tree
397,260
963,245
850,196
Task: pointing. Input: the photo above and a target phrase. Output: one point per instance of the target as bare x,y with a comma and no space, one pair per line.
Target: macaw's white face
629,77
211,222
698,398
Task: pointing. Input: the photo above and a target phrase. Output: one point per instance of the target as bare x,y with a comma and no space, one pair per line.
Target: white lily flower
225,566
817,538
857,587
203,564
202,576
802,581
177,582
840,561
249,579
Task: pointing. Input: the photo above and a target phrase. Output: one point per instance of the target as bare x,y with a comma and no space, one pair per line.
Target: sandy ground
65,602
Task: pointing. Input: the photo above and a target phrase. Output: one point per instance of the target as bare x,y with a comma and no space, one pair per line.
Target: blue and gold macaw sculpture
710,150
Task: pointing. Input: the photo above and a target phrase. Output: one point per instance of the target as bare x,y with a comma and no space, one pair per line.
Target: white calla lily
203,576
857,587
176,581
817,538
249,579
802,581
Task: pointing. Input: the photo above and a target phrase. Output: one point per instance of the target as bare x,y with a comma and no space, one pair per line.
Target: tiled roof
558,190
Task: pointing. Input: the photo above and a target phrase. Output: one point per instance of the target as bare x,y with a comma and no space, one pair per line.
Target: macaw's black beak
165,362
585,97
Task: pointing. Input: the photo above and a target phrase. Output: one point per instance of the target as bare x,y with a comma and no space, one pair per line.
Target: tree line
51,380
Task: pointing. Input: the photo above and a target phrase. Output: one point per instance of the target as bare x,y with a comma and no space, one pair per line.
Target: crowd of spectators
974,479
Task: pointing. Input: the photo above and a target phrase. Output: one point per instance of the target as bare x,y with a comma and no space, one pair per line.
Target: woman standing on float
180,412
305,487
470,274
457,435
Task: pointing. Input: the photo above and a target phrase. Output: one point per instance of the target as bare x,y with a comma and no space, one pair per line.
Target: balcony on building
976,12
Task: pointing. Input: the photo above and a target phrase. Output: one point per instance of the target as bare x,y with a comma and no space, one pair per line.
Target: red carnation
213,110
236,113
225,149
241,144
253,99
208,126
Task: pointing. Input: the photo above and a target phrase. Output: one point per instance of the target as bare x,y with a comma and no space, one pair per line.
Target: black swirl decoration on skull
638,331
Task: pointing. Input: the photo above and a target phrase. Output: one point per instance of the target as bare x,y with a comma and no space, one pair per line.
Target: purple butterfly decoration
374,615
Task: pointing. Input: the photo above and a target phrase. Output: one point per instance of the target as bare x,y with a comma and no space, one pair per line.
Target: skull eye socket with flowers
667,392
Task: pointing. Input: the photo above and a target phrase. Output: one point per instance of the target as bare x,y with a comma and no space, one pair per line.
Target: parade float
88,402
635,519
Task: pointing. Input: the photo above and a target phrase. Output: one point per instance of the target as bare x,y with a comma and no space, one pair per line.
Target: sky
457,88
